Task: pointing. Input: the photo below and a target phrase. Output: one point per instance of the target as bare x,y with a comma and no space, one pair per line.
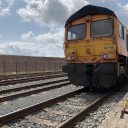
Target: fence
24,64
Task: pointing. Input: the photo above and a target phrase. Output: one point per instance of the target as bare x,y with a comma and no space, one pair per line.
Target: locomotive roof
89,10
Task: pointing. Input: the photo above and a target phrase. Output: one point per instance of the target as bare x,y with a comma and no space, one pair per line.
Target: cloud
47,44
73,5
29,36
55,37
49,12
5,7
125,8
44,12
30,49
52,13
4,11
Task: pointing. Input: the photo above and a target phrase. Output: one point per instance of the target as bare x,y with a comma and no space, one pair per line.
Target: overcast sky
36,27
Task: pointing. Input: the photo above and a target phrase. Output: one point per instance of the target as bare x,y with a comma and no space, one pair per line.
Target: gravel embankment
34,99
24,123
98,115
30,83
52,117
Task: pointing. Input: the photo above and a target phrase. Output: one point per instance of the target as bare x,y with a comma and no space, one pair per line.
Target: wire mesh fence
25,64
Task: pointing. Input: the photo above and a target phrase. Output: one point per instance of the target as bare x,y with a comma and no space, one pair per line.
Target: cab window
121,31
76,32
127,41
102,28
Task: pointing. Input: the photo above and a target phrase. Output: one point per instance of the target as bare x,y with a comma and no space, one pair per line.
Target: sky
36,27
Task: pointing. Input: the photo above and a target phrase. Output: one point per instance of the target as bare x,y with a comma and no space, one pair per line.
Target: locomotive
96,48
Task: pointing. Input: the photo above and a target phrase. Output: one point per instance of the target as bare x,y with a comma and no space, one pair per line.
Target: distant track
32,78
42,87
16,76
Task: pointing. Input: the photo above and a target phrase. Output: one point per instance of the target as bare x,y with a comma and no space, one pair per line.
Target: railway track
79,107
19,113
29,77
14,76
83,113
32,88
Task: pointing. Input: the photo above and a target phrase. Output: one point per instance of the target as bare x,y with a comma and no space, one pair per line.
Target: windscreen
76,32
102,28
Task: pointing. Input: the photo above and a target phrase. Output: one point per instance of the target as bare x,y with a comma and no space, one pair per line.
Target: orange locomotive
96,48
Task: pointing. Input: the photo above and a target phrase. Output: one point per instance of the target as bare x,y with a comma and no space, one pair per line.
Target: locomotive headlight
107,56
88,18
68,57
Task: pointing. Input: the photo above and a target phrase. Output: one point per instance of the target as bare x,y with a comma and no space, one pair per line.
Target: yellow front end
91,49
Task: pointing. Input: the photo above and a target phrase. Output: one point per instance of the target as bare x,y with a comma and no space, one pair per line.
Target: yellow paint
92,50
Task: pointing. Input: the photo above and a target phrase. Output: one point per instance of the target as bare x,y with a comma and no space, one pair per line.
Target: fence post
60,65
55,65
4,64
16,66
43,64
26,65
35,64
49,65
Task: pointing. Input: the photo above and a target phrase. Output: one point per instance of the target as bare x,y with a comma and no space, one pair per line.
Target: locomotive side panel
122,40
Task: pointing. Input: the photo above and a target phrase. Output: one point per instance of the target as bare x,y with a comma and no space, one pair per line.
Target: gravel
98,115
34,99
68,110
83,100
24,123
51,116
30,83
79,100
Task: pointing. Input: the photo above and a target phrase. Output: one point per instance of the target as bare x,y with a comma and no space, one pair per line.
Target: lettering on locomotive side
109,48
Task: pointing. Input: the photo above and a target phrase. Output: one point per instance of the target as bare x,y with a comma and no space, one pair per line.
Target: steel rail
27,74
5,83
18,76
84,113
31,92
30,86
22,112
